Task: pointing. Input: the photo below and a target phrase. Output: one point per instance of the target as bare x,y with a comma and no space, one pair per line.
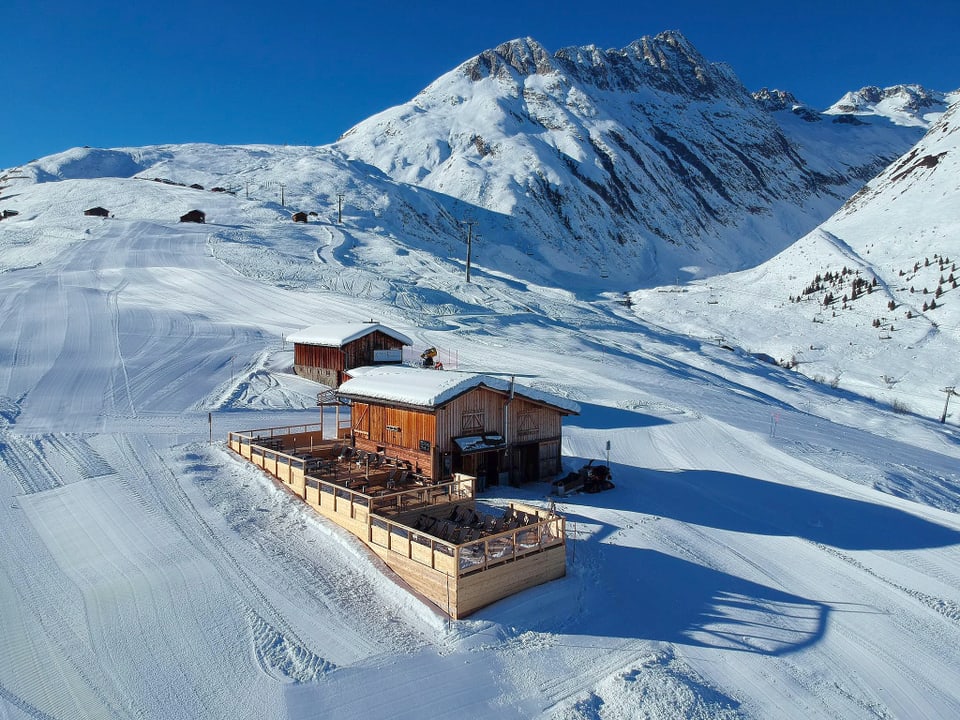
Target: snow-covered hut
323,352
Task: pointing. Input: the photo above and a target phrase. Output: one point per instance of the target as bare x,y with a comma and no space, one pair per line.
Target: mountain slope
868,301
643,162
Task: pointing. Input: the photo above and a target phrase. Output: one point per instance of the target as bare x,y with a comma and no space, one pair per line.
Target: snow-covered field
775,546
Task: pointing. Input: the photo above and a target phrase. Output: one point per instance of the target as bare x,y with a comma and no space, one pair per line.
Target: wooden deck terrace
430,534
303,461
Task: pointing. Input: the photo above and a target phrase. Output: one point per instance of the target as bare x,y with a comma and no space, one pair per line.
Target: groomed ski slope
773,548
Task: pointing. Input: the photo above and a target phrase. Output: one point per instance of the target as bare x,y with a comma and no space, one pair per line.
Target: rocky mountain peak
649,157
524,56
773,99
666,62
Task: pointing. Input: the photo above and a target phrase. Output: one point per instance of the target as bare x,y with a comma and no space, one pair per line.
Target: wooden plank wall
318,356
360,351
370,424
550,461
456,418
476,411
531,421
483,588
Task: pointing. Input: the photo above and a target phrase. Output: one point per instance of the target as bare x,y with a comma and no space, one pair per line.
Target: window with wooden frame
527,424
471,421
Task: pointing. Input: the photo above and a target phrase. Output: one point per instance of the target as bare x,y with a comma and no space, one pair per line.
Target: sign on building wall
388,356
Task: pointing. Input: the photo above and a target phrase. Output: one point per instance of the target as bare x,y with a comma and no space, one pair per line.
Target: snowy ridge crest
901,104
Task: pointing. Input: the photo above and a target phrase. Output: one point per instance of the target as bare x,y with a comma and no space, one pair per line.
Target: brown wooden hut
323,352
194,216
444,422
299,217
97,212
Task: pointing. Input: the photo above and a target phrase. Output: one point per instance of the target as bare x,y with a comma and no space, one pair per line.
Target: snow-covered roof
339,334
432,388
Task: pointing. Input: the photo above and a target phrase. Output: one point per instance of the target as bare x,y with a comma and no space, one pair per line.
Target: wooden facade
327,363
493,435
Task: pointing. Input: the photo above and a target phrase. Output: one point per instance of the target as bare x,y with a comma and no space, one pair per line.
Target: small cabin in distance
444,422
97,212
194,216
323,353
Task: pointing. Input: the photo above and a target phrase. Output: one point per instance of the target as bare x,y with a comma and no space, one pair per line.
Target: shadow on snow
617,591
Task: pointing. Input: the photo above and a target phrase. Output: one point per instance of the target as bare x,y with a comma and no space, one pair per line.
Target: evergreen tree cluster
847,284
946,281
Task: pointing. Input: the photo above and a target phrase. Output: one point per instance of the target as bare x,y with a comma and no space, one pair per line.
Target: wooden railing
481,554
369,516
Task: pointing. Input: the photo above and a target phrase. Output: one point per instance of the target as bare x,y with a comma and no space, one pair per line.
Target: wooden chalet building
324,352
444,422
97,212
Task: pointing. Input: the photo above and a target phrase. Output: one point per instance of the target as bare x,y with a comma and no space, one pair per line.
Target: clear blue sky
110,74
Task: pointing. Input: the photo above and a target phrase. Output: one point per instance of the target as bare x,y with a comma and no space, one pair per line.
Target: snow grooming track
31,470
247,592
74,450
339,582
281,659
948,608
55,636
23,706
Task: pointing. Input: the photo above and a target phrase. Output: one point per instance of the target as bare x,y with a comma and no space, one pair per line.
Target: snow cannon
427,356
